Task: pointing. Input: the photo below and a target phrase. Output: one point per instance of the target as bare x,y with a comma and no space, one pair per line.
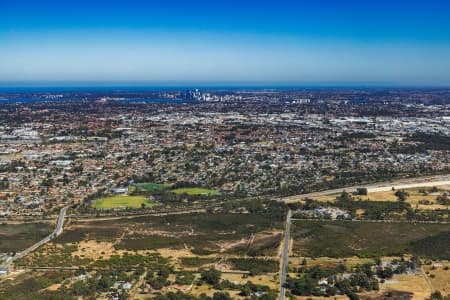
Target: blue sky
283,42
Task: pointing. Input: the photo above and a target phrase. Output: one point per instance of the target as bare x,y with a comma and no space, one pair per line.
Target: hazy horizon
324,43
155,85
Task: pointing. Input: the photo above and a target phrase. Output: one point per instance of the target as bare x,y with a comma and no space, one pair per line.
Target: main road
57,231
285,256
407,183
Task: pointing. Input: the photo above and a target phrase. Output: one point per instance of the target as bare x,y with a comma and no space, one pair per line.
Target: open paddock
195,191
122,201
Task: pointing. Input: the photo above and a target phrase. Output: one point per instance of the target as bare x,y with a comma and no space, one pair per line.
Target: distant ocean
31,100
20,100
6,93
5,88
153,101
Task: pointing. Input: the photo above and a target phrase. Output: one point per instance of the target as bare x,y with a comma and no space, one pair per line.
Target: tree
361,191
401,195
302,286
179,296
434,189
436,296
344,197
211,276
47,182
443,199
353,296
331,291
221,296
385,273
245,290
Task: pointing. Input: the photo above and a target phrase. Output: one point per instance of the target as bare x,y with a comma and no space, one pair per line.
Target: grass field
345,239
195,191
122,201
150,186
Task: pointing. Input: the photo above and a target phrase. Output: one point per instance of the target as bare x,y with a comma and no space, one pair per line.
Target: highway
285,256
57,231
427,181
60,224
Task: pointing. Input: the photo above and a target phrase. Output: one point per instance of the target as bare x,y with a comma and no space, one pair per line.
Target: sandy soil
175,254
338,297
410,186
53,287
265,280
325,261
439,277
94,250
414,197
225,246
408,283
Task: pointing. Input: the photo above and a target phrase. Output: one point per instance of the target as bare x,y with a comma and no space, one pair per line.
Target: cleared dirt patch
94,250
416,197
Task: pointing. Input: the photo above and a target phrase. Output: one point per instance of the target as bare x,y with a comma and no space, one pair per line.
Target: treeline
33,287
431,141
420,142
376,210
348,178
307,284
318,281
435,247
254,265
356,136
